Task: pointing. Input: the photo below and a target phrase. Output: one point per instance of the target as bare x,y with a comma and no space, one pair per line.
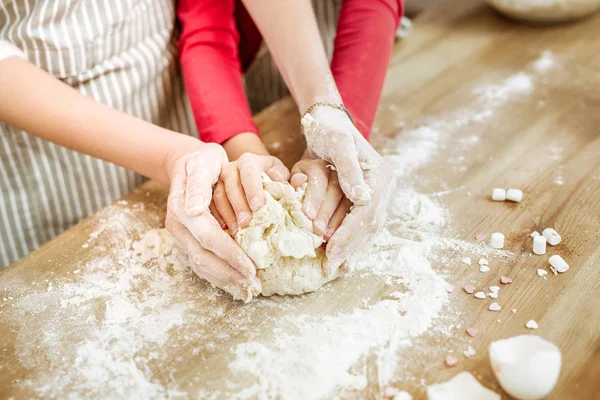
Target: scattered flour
109,330
517,84
545,63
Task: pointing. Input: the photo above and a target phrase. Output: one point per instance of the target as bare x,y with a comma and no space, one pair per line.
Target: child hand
239,190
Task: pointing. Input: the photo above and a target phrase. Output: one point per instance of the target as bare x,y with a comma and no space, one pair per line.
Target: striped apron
119,52
123,54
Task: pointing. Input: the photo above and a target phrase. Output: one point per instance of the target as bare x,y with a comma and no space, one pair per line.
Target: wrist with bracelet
337,106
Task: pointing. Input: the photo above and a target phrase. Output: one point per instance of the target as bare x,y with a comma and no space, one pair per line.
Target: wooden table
544,140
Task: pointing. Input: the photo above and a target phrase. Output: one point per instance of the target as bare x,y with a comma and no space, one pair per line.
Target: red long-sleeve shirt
219,41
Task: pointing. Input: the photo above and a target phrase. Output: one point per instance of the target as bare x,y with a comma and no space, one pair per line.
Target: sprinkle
483,261
469,289
480,238
514,310
472,332
469,352
554,271
531,324
466,260
484,268
494,307
493,295
450,361
534,234
542,272
505,280
494,289
449,288
76,271
480,295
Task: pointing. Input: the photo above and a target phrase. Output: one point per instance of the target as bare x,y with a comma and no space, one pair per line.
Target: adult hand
239,190
324,201
363,177
214,254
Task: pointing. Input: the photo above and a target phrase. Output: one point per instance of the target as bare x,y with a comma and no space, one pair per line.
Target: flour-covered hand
331,136
363,177
324,201
239,190
214,254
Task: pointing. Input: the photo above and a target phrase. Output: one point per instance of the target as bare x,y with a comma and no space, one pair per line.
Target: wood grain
546,142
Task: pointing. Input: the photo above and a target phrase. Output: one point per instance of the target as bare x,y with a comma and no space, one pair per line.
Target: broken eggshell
463,386
526,366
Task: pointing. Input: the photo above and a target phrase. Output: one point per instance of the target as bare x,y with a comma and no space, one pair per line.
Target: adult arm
43,106
363,47
36,102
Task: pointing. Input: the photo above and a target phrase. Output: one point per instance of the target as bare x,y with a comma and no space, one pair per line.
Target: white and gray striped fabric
121,53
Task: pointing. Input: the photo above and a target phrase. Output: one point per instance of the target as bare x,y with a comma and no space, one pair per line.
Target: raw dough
546,10
280,240
462,387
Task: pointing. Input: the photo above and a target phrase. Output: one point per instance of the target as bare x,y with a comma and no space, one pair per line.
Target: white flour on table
108,329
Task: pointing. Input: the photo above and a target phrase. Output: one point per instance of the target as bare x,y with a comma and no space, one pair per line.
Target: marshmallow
497,240
515,195
558,263
539,245
551,236
499,194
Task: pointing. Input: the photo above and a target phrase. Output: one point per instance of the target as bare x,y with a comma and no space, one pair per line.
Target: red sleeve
363,47
208,51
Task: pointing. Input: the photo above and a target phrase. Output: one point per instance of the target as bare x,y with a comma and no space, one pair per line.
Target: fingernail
275,175
255,203
321,226
330,232
310,212
242,218
361,193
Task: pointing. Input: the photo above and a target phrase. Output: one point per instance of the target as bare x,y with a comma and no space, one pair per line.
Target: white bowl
546,11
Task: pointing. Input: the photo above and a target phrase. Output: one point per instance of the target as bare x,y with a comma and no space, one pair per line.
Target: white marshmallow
499,194
515,195
551,236
558,263
497,240
539,245
526,366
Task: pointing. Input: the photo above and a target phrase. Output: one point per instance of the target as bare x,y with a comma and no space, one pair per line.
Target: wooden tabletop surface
500,119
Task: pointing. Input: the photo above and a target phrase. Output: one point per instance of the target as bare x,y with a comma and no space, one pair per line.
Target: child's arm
212,71
363,46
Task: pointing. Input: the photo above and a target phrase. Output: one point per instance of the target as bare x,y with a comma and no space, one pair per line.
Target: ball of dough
526,366
288,255
546,10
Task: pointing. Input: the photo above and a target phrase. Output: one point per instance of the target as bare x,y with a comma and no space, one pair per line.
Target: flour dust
134,322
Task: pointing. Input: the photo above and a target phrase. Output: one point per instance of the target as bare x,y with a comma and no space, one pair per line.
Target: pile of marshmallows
549,235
